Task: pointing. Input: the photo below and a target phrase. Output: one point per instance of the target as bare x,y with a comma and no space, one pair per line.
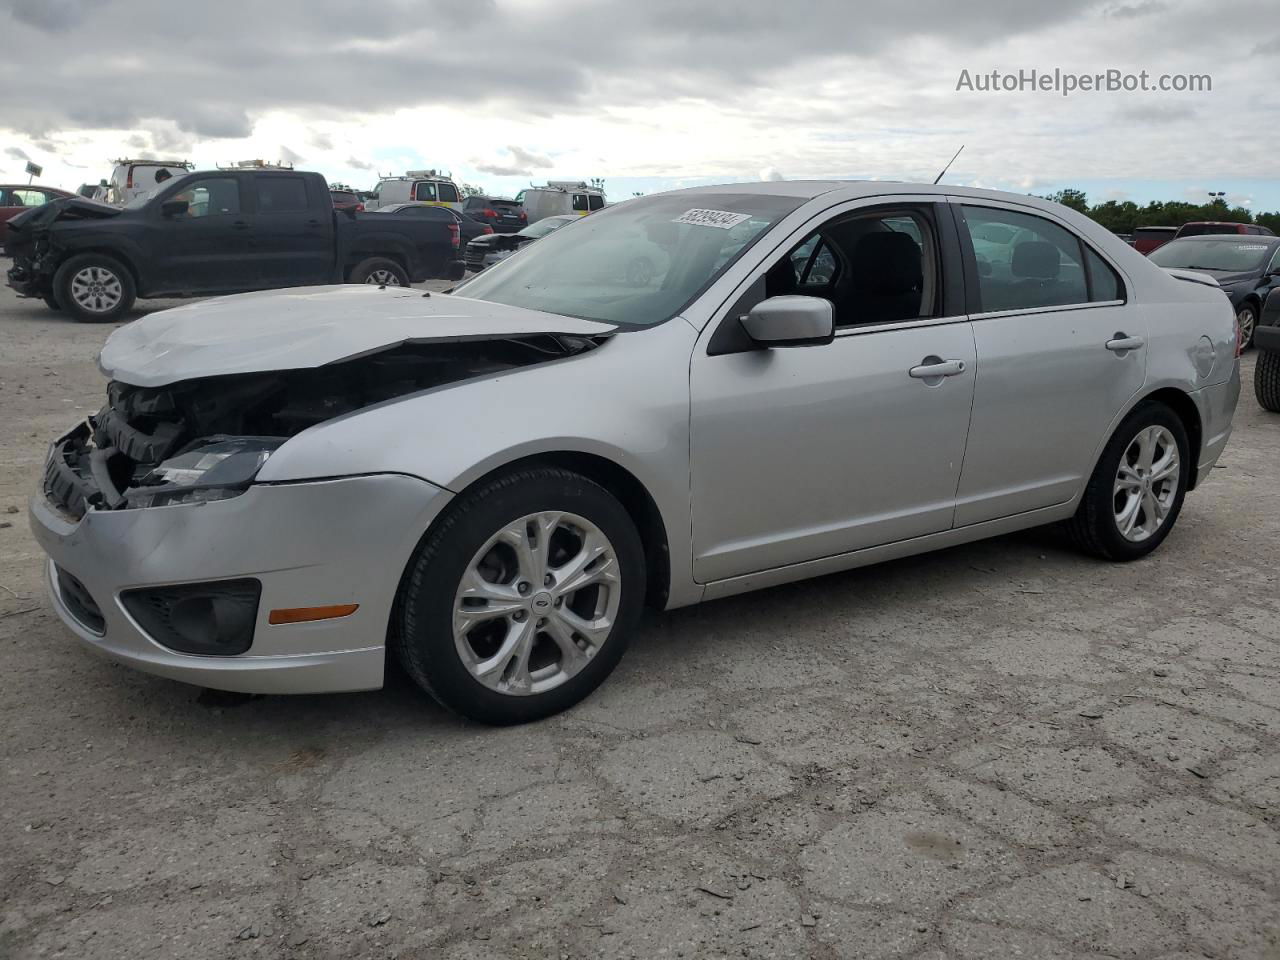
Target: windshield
638,263
543,227
1212,255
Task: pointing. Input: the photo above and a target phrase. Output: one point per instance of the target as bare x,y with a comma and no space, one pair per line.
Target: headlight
217,468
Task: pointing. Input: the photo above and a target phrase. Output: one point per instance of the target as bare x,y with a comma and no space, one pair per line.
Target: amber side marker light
308,614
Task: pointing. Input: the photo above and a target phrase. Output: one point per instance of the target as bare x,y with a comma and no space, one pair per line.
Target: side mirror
174,208
790,321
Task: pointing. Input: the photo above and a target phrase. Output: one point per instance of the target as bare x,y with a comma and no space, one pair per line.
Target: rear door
211,247
1060,354
293,230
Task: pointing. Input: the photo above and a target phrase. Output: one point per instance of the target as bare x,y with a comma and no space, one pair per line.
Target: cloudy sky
649,94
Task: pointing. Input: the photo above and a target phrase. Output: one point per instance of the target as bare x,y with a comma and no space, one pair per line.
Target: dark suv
505,216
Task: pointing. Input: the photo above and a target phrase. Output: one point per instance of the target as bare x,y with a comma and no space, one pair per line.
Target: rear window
340,197
424,191
281,194
1206,229
448,192
508,205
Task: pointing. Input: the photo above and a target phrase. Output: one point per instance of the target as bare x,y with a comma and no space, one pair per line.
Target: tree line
1124,216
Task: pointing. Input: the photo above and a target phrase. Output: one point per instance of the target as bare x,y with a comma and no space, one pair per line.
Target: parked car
505,216
486,251
1203,228
1147,239
131,179
285,488
1266,375
220,231
418,186
468,229
1246,267
16,198
346,200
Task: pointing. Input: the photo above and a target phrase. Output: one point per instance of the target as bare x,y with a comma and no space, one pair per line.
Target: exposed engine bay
206,438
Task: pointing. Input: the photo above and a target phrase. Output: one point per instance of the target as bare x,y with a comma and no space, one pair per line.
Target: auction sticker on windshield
723,219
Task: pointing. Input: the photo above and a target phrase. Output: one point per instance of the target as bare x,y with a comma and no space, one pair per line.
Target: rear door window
595,202
424,192
1032,263
281,194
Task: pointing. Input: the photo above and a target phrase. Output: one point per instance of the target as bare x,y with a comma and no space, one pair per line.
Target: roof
856,189
1234,237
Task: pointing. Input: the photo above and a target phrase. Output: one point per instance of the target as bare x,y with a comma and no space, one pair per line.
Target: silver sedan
284,488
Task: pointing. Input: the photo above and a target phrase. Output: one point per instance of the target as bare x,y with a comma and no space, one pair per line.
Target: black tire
1266,380
52,303
379,270
1094,528
108,266
1251,308
424,641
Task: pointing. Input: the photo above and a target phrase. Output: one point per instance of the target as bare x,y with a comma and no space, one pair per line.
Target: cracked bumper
309,544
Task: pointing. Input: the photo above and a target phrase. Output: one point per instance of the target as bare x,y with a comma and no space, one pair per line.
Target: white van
417,186
136,178
560,197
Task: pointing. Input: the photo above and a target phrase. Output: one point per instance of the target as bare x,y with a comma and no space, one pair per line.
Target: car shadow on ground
669,648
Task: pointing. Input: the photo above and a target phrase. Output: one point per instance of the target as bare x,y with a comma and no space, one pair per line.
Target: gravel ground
1000,750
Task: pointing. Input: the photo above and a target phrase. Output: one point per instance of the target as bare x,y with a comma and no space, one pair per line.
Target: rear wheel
1135,494
522,601
1266,380
94,288
379,271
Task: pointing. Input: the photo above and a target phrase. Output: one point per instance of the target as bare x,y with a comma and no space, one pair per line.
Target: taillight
453,234
128,181
486,212
487,229
523,215
359,208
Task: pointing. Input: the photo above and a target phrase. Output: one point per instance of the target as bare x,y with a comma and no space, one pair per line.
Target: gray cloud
210,76
289,156
17,153
520,163
356,163
321,141
528,158
1143,9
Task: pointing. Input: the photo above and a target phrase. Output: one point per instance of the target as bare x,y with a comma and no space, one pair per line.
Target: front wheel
379,271
94,288
52,303
1246,323
1135,494
523,599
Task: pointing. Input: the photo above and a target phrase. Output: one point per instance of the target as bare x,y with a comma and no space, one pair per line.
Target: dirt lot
1002,750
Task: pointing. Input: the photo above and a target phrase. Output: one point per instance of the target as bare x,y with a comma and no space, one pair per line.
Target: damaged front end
206,439
32,241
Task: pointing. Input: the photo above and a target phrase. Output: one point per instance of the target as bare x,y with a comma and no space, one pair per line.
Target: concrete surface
1002,750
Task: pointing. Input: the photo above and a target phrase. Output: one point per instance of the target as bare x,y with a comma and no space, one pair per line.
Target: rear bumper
1217,406
23,280
308,544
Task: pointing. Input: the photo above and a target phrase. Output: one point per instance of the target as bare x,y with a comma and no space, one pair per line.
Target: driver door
801,453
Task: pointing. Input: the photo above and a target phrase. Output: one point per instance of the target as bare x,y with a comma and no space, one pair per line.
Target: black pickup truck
216,232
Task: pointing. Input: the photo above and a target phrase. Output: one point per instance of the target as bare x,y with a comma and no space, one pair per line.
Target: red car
17,197
346,200
1146,239
1205,228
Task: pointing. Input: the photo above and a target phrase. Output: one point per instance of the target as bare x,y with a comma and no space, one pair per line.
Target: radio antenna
948,166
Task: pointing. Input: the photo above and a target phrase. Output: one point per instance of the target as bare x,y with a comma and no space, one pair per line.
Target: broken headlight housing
215,468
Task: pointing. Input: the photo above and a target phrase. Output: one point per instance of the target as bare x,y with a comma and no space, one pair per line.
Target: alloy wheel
1146,483
96,290
383,278
1245,322
537,602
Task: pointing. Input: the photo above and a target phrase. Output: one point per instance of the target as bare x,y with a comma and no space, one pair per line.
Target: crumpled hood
306,327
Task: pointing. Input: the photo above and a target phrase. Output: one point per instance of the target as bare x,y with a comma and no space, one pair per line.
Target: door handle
239,225
933,368
1120,343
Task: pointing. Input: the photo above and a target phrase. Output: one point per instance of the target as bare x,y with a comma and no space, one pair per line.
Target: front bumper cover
346,540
